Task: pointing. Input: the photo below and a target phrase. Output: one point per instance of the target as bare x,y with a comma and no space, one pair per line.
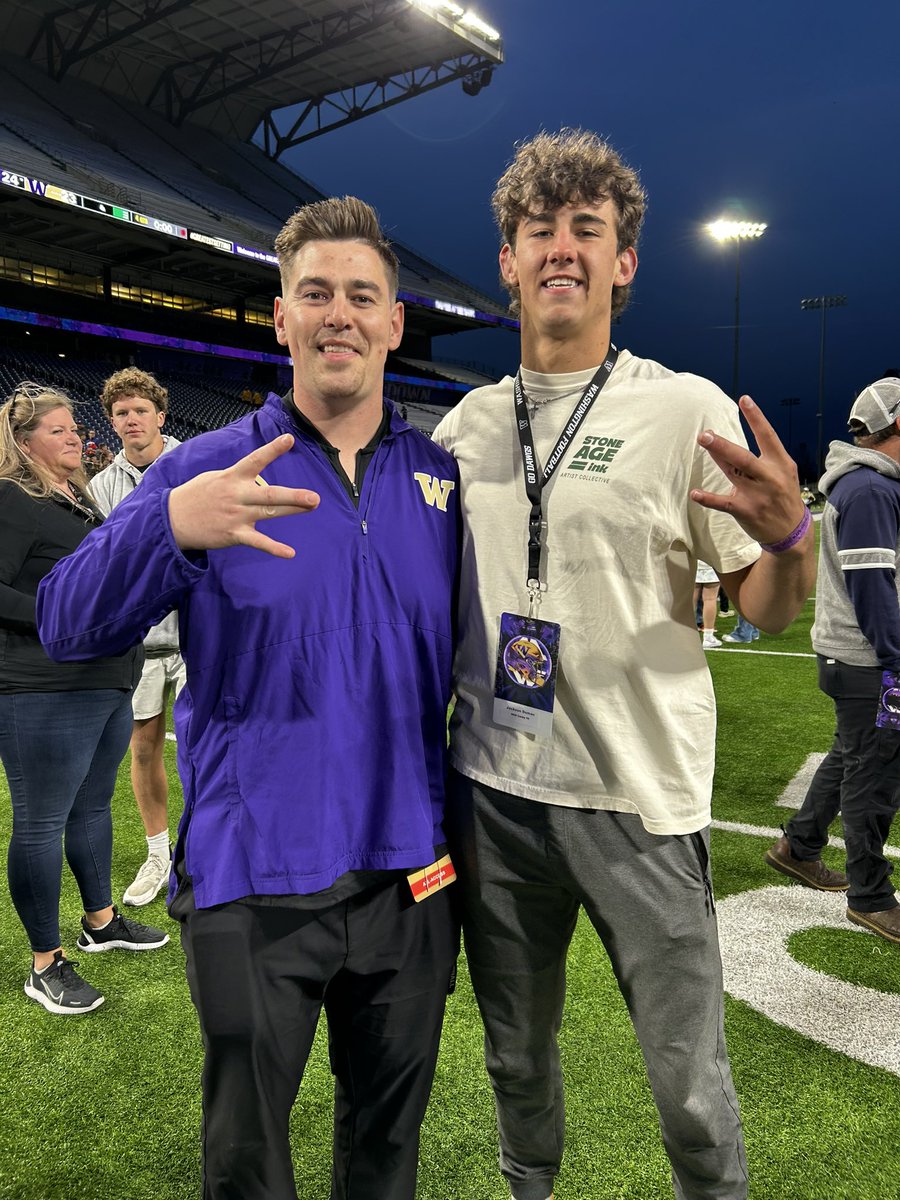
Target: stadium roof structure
229,65
109,191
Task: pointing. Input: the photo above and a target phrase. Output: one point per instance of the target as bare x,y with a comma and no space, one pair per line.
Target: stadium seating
198,402
228,189
195,406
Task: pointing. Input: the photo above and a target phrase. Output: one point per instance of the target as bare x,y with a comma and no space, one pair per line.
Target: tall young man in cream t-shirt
584,586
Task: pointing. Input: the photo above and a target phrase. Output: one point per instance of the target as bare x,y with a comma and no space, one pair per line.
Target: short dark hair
337,219
862,437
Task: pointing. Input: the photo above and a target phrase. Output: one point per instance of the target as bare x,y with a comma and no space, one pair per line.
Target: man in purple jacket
311,732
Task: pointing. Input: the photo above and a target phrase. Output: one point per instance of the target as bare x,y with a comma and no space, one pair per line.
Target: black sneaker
120,934
61,989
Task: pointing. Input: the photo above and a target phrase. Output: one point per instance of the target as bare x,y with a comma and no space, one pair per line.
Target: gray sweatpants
525,868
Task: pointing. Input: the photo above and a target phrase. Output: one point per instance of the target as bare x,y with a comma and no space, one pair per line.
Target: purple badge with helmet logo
889,703
525,684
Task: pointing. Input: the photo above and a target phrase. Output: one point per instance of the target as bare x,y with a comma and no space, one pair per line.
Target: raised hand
221,508
765,490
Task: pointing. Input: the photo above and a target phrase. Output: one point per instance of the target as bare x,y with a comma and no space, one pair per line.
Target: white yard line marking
769,653
762,831
795,792
754,929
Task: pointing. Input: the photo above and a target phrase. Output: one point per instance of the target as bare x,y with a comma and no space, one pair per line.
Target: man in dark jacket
856,637
312,730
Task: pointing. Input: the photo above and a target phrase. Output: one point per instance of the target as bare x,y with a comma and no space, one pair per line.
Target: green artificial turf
106,1106
865,962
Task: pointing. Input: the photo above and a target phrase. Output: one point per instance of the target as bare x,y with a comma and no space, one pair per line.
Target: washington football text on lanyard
534,485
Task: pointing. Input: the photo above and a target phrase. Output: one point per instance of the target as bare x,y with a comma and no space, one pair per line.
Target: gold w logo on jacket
435,491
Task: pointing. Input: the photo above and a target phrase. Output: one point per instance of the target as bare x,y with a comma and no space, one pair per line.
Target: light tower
823,303
725,230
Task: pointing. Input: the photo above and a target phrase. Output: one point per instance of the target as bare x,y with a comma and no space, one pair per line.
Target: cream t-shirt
634,719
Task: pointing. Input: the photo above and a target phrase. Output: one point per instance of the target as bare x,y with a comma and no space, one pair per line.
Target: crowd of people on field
316,582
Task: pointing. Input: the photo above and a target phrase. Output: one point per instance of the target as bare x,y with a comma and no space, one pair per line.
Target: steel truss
64,47
354,103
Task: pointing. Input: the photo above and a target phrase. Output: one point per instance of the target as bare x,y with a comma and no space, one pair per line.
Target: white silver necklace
536,402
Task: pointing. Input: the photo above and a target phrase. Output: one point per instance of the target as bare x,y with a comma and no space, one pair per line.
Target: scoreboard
116,212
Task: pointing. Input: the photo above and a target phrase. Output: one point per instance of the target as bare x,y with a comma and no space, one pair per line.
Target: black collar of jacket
352,487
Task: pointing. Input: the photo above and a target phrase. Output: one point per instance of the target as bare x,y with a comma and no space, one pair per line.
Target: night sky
785,111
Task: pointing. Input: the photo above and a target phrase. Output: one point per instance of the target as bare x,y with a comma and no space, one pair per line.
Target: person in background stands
856,637
136,405
64,727
706,601
743,632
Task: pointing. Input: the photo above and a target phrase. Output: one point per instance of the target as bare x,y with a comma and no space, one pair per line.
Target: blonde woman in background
64,727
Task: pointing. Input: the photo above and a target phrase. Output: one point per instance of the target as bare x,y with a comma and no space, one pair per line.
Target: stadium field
106,1106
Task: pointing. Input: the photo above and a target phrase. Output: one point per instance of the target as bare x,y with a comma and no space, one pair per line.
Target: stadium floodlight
823,303
725,230
464,17
447,6
470,21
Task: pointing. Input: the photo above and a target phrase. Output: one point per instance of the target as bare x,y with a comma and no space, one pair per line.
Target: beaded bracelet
792,538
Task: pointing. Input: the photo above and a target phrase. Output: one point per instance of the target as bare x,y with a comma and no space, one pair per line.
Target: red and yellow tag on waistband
431,879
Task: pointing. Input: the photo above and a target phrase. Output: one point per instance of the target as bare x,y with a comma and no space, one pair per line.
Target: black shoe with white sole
120,934
61,989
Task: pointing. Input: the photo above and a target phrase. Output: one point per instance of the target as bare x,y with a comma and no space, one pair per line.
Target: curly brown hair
131,381
337,219
573,166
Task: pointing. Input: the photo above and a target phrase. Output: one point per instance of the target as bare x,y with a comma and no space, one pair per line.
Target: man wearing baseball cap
856,636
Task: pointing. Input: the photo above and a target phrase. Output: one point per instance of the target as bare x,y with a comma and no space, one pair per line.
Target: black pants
860,778
381,967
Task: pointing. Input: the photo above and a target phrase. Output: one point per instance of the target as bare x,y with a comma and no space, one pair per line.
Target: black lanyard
534,486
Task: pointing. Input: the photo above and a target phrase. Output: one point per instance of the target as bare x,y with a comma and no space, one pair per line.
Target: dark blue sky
787,109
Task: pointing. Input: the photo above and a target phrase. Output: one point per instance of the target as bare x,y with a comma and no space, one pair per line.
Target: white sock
159,845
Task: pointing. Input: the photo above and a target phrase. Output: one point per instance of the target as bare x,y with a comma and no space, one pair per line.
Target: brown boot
812,874
885,923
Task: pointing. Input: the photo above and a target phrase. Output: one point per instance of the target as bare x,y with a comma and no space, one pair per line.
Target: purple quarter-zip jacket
311,734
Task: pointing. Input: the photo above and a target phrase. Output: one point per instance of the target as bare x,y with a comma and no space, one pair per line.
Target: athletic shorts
160,675
705,573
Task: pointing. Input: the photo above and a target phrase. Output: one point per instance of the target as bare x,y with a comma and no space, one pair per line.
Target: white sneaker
710,641
149,881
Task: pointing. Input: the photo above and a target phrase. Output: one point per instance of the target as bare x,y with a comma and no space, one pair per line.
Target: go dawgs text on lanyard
533,486
528,649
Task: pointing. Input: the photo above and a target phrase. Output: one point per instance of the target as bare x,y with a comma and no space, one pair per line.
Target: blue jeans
745,630
61,752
